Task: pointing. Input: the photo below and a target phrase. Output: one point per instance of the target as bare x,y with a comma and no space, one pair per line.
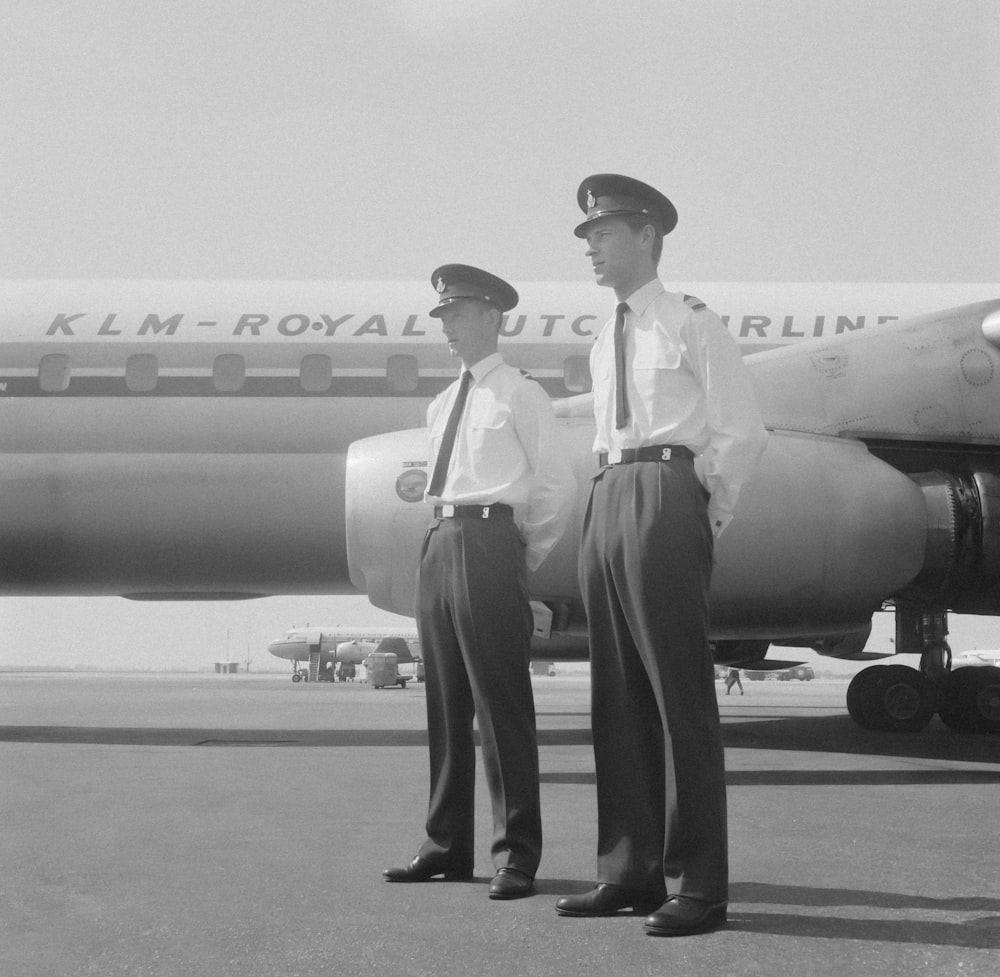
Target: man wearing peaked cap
457,282
670,391
502,491
610,195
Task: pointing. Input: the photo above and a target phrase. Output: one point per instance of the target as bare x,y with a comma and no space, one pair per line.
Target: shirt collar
486,365
642,298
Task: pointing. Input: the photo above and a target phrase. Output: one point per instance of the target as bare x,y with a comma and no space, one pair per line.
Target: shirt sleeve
579,405
737,436
553,485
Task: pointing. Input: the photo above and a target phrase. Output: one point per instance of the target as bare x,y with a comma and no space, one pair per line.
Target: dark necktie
621,397
448,441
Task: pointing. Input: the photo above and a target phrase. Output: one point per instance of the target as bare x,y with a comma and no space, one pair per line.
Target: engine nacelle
962,564
824,533
354,652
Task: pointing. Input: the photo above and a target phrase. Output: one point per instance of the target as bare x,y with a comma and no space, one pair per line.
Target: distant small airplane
976,657
324,648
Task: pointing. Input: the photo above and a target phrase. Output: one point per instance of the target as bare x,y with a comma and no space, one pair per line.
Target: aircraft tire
970,702
296,677
861,696
890,698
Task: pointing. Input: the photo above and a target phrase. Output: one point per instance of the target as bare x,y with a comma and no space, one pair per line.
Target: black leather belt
473,511
653,452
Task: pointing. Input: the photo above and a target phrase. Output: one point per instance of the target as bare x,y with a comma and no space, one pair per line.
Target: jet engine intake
962,557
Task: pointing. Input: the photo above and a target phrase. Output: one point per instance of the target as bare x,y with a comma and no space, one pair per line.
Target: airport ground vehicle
804,673
383,670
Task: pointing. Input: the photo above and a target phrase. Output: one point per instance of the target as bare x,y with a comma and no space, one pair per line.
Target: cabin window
229,373
576,374
142,372
54,372
402,373
316,373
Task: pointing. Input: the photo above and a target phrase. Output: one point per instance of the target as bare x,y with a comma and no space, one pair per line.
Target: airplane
977,657
228,440
325,647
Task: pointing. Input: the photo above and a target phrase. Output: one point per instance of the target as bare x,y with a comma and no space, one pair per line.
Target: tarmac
214,825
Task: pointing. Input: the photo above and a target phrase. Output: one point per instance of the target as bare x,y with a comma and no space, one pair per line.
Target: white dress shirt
686,385
507,449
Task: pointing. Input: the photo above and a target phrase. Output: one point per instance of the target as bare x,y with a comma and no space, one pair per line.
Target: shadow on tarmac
839,734
804,895
824,734
982,933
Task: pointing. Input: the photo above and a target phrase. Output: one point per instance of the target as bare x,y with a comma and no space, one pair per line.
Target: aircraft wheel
296,677
892,698
862,696
970,702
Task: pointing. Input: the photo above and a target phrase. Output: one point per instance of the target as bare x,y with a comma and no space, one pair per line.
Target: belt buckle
614,456
447,511
667,452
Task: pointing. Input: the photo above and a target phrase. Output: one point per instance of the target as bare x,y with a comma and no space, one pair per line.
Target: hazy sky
802,140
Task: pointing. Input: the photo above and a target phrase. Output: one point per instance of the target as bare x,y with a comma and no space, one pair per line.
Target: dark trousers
645,568
475,627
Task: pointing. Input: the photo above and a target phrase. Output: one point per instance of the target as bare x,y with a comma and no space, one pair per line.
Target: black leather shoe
511,883
683,916
607,899
423,870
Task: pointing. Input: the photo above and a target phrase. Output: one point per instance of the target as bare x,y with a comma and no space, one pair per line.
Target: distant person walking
733,678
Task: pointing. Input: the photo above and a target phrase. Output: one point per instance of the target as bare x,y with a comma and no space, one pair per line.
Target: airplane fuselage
189,439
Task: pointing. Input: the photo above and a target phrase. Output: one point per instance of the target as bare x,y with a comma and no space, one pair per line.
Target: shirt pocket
491,436
656,351
657,361
488,416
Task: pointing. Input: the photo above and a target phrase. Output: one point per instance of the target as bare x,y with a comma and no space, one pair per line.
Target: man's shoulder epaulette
694,303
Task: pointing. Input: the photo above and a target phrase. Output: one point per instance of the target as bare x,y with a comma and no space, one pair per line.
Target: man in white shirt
502,490
678,433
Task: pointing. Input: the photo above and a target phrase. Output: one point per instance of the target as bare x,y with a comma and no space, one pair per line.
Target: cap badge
441,285
591,200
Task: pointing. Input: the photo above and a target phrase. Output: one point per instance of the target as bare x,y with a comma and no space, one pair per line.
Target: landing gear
898,698
935,659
